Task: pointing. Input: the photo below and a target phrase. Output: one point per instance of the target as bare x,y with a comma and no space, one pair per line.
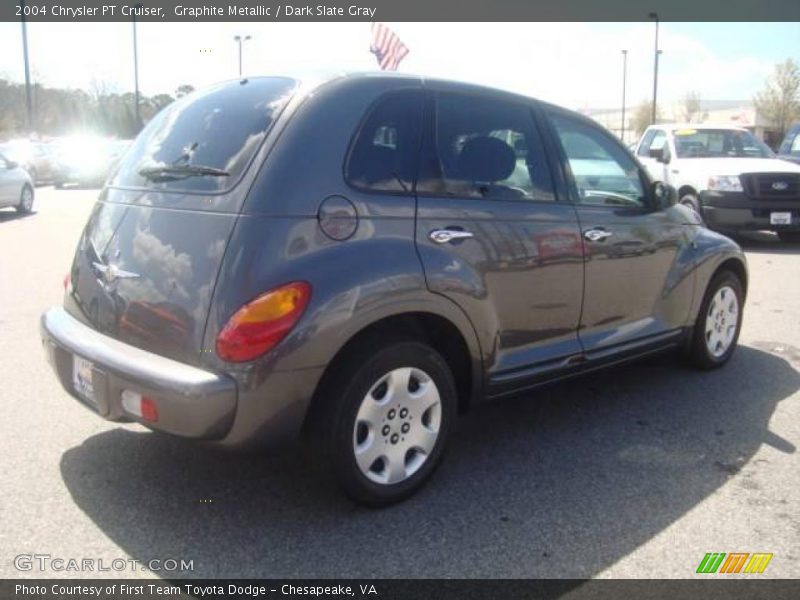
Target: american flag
387,47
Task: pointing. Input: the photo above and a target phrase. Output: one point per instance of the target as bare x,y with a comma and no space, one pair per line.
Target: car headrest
486,159
374,164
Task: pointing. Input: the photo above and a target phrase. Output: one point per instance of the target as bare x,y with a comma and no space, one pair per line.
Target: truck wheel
716,330
789,237
388,421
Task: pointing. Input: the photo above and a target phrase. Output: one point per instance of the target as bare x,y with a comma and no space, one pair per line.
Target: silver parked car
16,187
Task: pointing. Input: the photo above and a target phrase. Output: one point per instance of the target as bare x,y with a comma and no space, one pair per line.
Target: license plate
82,378
780,218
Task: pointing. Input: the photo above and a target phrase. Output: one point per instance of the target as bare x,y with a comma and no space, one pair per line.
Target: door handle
442,236
596,235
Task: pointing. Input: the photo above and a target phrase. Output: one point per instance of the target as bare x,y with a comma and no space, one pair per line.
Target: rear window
206,141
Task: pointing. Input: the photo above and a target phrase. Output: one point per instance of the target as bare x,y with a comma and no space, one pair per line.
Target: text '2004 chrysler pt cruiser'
365,258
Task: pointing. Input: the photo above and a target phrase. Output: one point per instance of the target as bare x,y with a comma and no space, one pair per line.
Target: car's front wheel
25,199
716,331
390,421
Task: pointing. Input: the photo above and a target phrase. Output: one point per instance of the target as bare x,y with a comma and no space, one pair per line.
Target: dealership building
733,113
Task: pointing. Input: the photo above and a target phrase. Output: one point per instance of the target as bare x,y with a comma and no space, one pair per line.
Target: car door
7,187
495,237
638,283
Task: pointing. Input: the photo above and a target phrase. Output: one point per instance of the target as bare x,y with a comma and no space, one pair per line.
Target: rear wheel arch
429,328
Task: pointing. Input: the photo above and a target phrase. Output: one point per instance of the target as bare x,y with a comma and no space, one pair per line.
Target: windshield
219,129
719,143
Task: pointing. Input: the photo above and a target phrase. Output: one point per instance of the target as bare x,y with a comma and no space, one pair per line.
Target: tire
715,334
25,200
58,185
789,237
377,401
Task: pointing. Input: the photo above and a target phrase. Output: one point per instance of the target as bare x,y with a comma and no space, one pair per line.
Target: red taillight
66,281
259,325
149,410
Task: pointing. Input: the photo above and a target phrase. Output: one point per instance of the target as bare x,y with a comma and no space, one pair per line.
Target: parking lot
633,473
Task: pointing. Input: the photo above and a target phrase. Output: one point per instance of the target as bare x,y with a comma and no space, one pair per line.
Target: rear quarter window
383,154
221,127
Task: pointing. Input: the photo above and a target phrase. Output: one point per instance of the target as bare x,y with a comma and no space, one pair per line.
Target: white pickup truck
727,175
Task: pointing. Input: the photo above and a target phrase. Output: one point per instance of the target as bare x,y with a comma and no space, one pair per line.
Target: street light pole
656,52
240,40
624,74
28,101
136,73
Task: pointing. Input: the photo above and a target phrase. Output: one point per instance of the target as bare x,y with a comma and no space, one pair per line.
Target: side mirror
664,194
10,164
659,154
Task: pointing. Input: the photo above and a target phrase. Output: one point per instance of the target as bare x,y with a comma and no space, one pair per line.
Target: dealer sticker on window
780,218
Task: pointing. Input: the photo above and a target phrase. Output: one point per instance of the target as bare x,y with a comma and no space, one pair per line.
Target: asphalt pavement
636,472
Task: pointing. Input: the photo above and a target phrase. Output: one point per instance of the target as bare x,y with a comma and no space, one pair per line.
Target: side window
795,148
383,155
604,173
644,145
659,141
487,149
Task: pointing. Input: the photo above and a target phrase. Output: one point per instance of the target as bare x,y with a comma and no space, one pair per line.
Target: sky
577,65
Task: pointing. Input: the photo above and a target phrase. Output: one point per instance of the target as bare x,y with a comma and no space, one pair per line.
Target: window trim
650,204
373,106
430,130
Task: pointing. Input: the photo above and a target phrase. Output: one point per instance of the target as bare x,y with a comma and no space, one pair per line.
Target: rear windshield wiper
175,172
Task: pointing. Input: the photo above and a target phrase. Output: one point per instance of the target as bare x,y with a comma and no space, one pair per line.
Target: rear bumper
735,211
191,402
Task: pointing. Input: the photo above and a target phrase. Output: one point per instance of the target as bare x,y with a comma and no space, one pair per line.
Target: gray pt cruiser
367,257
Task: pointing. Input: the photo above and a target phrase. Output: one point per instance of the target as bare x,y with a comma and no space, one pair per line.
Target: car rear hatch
147,263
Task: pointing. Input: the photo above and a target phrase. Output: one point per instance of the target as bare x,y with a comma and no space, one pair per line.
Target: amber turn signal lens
259,325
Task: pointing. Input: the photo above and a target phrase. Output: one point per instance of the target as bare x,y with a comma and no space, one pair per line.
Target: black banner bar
397,10
715,587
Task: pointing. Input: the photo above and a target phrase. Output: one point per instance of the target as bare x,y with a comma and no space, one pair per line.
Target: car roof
310,81
698,126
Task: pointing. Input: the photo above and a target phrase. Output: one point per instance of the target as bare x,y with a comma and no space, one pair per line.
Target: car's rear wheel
25,199
716,331
789,237
389,421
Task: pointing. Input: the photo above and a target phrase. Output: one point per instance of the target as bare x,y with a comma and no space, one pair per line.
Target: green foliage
65,111
779,101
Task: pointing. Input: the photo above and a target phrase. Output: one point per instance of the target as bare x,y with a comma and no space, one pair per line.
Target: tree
779,101
691,105
184,89
643,116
